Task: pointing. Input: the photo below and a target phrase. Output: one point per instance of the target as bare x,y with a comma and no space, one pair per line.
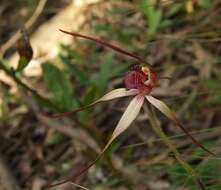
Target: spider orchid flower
139,82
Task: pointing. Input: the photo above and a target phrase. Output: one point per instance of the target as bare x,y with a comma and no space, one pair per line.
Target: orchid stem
155,126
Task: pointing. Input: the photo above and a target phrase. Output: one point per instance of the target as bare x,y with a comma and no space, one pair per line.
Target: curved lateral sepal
161,106
117,93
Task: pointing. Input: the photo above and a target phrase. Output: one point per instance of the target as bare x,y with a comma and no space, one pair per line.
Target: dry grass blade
161,106
76,185
214,130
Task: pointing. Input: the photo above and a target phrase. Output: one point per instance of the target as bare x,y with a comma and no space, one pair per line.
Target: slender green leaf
104,75
153,16
59,85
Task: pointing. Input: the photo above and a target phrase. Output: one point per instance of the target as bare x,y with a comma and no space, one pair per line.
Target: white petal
128,117
118,93
162,107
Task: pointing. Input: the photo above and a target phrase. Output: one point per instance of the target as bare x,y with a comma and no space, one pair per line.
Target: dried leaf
24,50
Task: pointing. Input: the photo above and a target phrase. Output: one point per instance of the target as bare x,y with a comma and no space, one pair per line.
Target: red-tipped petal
161,106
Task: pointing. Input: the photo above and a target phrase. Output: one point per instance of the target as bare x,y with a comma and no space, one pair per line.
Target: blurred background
180,38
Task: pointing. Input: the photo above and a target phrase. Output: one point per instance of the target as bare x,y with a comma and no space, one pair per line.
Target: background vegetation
180,38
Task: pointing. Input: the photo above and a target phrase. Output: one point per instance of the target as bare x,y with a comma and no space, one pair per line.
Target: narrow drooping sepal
117,93
161,106
127,118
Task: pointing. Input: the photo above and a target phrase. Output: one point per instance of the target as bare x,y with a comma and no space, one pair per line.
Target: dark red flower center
141,80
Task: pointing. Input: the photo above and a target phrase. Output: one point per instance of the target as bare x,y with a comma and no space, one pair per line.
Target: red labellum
134,79
141,78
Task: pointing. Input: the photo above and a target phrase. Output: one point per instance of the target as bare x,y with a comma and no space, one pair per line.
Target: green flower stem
155,126
10,72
